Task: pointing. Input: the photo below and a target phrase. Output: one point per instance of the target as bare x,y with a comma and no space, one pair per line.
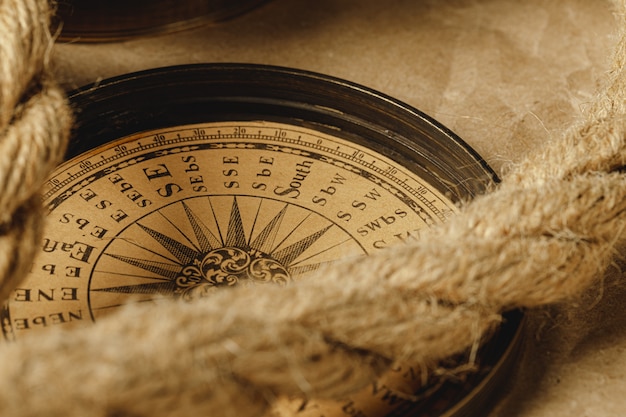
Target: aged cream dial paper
180,212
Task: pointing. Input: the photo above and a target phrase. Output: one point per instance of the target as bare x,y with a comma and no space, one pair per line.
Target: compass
182,181
105,21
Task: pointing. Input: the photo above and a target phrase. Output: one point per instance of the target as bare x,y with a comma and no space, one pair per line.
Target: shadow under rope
566,342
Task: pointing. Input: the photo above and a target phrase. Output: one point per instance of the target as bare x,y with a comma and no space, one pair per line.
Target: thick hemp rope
34,126
546,234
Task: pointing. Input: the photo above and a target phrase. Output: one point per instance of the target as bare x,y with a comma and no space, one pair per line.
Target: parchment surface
507,76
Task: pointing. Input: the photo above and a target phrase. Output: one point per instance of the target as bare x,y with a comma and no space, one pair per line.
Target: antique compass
185,180
107,20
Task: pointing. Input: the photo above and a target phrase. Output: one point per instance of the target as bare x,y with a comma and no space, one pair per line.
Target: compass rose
195,246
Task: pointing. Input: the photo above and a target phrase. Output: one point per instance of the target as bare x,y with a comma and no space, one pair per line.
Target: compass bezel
201,93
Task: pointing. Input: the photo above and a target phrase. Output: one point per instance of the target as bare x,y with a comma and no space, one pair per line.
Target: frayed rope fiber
545,234
34,127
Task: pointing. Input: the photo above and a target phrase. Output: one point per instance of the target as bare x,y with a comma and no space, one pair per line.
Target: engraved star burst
195,246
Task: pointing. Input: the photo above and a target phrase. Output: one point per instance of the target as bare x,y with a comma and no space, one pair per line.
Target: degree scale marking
55,183
92,260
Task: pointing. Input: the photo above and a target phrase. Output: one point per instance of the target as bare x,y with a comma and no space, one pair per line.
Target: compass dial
186,181
181,212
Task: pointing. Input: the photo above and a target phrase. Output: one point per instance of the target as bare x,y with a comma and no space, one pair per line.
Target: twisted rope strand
543,236
24,46
34,127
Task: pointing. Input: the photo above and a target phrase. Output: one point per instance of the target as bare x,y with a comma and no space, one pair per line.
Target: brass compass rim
332,102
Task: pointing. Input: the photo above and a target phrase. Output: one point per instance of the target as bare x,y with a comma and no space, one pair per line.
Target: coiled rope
547,233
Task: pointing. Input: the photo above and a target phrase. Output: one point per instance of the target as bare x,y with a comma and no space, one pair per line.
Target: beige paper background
507,76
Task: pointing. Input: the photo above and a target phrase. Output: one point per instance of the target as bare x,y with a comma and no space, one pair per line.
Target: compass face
185,211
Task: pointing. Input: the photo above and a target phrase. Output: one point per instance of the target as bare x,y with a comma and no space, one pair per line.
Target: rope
34,126
546,234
